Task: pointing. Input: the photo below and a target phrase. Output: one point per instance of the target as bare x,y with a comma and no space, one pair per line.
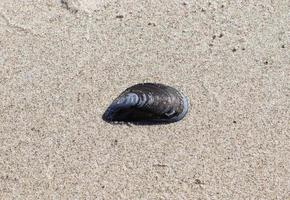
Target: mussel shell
148,103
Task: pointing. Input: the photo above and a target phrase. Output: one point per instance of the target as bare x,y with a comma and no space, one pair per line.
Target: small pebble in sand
119,16
151,24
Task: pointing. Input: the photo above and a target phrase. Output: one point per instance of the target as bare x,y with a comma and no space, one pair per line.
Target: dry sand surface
63,61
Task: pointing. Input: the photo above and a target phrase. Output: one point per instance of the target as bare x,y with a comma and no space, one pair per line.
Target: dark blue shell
148,103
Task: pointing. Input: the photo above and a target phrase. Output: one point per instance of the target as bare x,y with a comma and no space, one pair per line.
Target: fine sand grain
63,61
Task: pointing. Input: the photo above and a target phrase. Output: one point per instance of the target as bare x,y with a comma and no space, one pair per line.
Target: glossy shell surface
148,103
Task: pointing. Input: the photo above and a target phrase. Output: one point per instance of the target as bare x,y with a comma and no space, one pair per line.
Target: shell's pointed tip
107,116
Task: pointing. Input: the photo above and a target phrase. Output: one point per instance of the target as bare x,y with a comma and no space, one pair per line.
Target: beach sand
63,62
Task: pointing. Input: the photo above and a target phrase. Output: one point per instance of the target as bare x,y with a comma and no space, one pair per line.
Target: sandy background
63,62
